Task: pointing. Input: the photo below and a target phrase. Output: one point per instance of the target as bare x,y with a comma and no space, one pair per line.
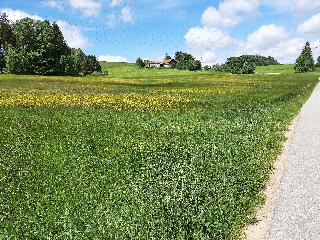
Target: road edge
259,231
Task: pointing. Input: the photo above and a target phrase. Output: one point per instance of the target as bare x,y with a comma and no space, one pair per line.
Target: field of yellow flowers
156,155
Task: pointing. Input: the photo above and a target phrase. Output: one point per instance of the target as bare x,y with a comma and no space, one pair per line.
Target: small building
168,63
155,64
164,64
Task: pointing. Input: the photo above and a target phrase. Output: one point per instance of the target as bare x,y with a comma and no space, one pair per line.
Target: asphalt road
297,211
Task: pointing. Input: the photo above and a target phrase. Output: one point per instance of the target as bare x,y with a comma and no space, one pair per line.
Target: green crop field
141,154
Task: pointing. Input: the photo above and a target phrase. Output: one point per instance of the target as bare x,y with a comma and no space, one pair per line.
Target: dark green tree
318,62
140,63
167,57
305,62
75,63
6,38
185,61
92,65
40,48
240,65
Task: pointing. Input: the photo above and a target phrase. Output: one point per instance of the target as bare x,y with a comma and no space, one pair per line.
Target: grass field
140,154
283,69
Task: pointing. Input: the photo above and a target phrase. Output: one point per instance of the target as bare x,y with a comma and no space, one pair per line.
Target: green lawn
158,154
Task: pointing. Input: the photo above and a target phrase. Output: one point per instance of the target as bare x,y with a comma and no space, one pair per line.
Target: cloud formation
310,26
109,58
87,7
73,35
229,13
15,15
53,4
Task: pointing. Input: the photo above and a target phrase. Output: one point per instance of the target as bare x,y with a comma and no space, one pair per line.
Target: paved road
297,211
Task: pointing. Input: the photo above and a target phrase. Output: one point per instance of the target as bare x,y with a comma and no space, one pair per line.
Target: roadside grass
141,157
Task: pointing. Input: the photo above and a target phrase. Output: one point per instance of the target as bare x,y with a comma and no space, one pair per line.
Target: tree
185,61
318,62
146,63
140,63
167,57
75,63
40,48
305,62
92,65
6,38
240,65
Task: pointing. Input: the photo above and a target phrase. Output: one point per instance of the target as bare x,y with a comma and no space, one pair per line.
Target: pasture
141,154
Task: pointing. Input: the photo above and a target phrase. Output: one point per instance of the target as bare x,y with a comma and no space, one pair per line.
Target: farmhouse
165,63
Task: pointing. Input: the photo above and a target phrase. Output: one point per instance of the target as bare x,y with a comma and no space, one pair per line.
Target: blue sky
122,30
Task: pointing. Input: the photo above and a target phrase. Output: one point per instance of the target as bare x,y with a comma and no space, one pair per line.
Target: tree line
245,64
38,47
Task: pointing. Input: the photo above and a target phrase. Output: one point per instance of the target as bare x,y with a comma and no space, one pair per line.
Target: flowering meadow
158,155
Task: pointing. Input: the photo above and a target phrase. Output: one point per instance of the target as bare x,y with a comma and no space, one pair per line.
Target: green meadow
141,154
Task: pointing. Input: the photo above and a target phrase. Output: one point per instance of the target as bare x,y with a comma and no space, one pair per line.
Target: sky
212,30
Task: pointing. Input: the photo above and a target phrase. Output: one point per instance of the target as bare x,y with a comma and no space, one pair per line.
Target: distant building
163,64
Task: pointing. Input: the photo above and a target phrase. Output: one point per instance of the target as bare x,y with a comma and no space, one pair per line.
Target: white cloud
73,35
15,15
88,7
205,42
126,15
297,6
115,3
109,58
207,38
272,40
229,13
267,35
310,26
53,4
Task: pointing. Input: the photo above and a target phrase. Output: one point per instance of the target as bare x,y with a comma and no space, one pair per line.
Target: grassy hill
125,70
142,154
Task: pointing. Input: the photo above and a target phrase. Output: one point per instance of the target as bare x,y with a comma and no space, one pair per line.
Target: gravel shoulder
292,208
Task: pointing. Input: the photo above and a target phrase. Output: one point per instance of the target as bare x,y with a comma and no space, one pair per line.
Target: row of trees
181,61
38,47
245,64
